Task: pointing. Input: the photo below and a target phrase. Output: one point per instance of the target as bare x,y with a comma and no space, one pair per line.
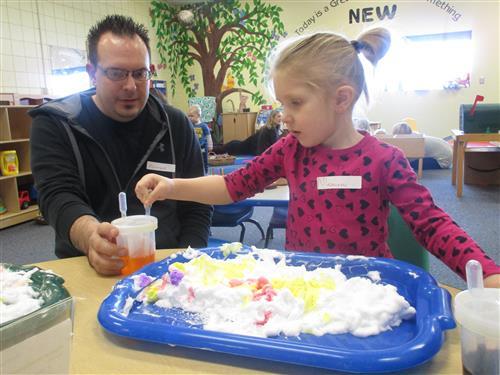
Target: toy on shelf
3,209
24,199
9,164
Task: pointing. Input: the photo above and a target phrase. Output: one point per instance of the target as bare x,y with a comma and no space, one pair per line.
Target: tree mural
226,38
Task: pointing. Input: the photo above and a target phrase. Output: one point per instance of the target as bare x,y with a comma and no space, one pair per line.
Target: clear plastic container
137,234
478,314
40,342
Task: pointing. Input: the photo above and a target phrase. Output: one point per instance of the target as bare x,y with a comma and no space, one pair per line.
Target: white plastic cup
137,234
478,315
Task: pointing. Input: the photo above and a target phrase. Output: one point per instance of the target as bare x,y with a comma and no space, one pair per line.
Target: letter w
386,13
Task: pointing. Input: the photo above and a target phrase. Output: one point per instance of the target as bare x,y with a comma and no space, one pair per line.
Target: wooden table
95,351
276,197
413,147
459,149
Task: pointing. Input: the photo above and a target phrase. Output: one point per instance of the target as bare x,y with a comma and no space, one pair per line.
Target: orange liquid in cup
136,263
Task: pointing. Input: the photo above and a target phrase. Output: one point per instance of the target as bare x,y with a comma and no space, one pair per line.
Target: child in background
438,152
341,180
202,131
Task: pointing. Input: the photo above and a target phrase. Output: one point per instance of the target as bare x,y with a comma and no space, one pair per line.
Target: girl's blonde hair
326,60
270,119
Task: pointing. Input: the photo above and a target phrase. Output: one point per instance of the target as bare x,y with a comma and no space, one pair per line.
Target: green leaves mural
224,37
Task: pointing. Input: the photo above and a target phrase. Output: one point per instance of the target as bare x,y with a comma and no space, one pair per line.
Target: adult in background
202,132
257,142
270,132
438,152
88,147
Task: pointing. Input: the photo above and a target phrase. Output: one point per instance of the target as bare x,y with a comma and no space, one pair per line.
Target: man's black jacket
74,175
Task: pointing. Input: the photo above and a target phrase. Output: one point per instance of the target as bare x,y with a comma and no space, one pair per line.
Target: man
202,132
88,147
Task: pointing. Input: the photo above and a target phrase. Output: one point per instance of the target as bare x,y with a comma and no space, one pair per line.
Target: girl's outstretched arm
207,190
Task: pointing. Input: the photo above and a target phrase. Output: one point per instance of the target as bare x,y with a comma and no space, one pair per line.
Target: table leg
420,167
454,163
460,167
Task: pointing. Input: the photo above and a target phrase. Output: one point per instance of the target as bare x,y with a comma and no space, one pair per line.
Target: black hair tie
358,46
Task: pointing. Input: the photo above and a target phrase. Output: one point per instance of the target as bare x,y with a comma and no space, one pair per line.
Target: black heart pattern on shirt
344,233
397,175
341,194
330,244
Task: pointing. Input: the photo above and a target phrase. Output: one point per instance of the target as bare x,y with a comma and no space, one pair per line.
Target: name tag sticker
339,182
160,167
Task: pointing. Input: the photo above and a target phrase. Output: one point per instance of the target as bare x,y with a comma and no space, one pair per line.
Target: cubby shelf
15,126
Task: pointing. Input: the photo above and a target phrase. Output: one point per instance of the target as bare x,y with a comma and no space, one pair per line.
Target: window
68,73
428,62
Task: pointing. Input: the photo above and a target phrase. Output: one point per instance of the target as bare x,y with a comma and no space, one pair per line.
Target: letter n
354,14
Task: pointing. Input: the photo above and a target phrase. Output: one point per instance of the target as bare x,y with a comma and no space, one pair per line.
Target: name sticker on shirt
161,167
339,182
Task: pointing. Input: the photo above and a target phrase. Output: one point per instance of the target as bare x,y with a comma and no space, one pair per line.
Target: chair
278,220
459,150
403,244
232,215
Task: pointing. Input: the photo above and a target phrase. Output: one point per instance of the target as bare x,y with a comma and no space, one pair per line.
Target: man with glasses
90,146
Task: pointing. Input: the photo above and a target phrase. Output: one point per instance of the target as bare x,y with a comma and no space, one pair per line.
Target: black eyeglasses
117,74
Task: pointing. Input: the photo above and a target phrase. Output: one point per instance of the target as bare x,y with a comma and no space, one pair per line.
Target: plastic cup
478,315
137,234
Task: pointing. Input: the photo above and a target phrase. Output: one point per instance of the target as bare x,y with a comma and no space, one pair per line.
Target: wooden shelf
12,218
20,174
15,128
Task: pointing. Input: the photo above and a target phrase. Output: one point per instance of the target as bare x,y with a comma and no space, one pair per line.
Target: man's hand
98,242
492,281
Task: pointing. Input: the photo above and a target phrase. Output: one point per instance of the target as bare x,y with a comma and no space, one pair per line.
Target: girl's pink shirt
354,221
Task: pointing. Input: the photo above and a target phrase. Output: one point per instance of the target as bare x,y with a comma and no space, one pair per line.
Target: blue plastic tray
414,342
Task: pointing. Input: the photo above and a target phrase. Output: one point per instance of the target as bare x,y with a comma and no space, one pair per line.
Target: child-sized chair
403,244
277,221
233,215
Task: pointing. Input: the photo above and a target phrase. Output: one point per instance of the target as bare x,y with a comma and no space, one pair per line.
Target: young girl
341,180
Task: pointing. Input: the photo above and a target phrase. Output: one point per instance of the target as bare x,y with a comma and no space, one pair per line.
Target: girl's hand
492,281
153,187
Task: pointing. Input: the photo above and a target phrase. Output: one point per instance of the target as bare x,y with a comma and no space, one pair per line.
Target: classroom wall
29,27
436,112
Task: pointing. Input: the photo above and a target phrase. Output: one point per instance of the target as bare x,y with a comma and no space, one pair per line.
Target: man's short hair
118,25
